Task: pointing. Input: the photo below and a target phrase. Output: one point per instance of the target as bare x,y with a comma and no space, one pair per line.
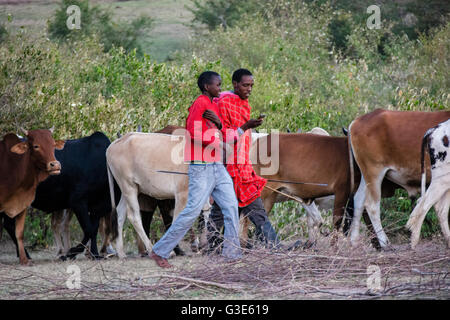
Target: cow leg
147,207
103,234
146,217
180,203
372,204
359,200
81,211
134,215
61,230
20,225
66,230
433,195
10,226
371,231
348,214
213,226
167,212
314,220
442,209
243,231
121,215
93,231
202,228
340,201
107,249
269,198
55,225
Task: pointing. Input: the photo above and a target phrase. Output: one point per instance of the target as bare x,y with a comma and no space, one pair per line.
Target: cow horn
24,131
52,129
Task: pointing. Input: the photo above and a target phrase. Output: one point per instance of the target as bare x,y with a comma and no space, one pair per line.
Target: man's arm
232,133
194,125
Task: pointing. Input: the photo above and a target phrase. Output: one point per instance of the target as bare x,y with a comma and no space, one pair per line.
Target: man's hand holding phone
253,123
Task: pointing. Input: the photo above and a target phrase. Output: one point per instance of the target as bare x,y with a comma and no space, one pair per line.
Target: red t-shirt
202,136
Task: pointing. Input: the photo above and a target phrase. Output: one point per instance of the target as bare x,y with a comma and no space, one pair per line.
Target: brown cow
310,158
387,144
23,165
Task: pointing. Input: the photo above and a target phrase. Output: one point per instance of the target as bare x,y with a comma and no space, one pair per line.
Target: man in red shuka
235,114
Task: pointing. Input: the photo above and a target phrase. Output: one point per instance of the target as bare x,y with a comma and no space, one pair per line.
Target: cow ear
59,144
20,148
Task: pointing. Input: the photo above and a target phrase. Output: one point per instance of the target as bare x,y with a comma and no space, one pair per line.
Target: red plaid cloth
234,112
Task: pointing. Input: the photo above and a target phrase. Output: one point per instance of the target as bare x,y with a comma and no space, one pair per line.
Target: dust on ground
323,272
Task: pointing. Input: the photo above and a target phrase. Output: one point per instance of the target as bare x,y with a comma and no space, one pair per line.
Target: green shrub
37,230
95,20
395,213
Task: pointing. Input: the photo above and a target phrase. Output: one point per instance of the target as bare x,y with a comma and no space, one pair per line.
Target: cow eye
36,146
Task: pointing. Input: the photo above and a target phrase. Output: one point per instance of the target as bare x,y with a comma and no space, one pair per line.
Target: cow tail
351,166
423,171
349,209
113,224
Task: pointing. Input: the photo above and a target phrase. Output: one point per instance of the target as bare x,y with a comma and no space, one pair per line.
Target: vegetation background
316,63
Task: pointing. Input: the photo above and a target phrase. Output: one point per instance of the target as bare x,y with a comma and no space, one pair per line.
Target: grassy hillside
169,33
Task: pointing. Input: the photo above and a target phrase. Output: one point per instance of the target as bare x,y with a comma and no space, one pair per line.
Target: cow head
41,146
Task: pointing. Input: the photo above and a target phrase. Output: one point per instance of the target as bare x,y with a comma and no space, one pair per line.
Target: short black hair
239,73
206,78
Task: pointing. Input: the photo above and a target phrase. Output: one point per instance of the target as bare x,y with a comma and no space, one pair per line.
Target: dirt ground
324,272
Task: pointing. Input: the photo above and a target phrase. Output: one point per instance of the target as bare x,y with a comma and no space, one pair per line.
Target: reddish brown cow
387,145
311,158
23,165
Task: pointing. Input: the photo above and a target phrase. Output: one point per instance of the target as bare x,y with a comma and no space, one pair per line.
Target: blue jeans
205,180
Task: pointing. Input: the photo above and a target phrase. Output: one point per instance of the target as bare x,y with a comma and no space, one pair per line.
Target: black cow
82,186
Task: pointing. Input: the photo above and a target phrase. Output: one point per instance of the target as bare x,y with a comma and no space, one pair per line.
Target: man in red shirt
207,175
235,114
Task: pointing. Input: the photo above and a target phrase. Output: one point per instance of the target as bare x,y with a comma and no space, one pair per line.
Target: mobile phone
262,116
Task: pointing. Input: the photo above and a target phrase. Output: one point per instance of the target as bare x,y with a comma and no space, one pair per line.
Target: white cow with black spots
438,194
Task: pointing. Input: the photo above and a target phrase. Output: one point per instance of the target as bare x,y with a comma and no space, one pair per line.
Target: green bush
95,20
395,213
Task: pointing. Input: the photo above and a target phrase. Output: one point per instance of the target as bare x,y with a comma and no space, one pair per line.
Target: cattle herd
102,183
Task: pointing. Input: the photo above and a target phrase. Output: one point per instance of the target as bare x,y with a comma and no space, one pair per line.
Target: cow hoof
26,263
375,244
71,256
179,252
62,258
